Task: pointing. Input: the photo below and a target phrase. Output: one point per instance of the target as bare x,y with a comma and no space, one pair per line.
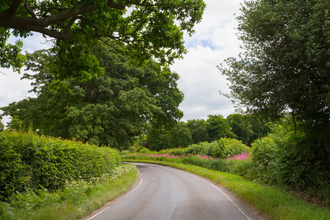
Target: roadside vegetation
118,90
270,201
48,178
271,166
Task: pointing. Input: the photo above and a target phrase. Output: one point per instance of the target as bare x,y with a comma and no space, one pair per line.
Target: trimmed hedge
31,161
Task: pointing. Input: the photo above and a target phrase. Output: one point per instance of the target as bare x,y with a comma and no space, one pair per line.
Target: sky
214,40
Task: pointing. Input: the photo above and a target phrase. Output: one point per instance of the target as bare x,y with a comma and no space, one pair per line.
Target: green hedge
223,148
31,161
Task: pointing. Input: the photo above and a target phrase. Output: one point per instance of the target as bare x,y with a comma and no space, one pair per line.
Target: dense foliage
240,127
111,109
76,200
217,127
162,138
286,64
152,28
245,128
28,161
198,130
222,148
277,159
284,157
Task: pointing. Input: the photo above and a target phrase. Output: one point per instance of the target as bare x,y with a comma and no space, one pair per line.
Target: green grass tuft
75,201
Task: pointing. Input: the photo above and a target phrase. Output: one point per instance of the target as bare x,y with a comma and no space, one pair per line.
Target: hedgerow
28,161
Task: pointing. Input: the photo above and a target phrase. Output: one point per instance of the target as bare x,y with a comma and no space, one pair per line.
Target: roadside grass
75,201
269,201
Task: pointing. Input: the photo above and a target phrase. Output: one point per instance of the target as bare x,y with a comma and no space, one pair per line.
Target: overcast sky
215,39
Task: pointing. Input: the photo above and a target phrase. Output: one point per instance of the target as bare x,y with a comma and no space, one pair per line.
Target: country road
168,193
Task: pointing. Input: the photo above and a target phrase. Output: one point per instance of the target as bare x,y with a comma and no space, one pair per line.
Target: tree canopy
159,138
111,109
198,130
285,68
241,127
151,28
217,127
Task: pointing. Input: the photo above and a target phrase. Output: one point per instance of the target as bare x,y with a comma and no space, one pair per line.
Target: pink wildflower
242,156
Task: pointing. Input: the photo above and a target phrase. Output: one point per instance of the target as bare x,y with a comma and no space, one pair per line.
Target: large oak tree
111,109
151,28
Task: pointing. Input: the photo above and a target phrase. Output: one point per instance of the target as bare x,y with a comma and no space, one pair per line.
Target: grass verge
270,201
75,201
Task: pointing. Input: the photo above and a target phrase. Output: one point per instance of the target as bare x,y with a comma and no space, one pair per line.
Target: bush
227,147
174,151
135,148
144,150
263,150
30,161
289,158
200,148
223,148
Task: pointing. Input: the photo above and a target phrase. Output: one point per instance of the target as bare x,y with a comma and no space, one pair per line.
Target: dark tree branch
10,13
45,31
40,24
115,5
27,6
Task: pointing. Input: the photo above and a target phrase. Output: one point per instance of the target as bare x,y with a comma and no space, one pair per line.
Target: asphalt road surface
168,193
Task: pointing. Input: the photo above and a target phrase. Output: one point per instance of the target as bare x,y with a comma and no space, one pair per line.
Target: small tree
198,130
241,127
160,138
217,127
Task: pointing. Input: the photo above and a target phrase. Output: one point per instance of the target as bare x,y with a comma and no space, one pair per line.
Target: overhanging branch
40,24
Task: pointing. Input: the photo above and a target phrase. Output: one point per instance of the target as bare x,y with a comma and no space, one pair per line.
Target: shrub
173,151
287,157
30,161
200,148
135,148
227,147
263,150
144,150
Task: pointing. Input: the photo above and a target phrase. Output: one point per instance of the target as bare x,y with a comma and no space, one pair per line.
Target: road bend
168,193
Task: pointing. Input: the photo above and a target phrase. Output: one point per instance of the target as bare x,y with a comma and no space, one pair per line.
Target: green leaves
10,55
110,109
30,161
285,68
165,138
151,29
198,129
217,127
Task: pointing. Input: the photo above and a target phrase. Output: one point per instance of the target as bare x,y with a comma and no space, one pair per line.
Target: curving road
168,193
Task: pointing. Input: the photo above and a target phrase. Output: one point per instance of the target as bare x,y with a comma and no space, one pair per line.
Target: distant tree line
246,128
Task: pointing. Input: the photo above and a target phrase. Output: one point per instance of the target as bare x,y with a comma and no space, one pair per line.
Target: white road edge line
211,185
223,194
97,214
125,196
227,198
137,186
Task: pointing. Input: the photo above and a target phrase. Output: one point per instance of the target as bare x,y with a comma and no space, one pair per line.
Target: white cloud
215,40
200,81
